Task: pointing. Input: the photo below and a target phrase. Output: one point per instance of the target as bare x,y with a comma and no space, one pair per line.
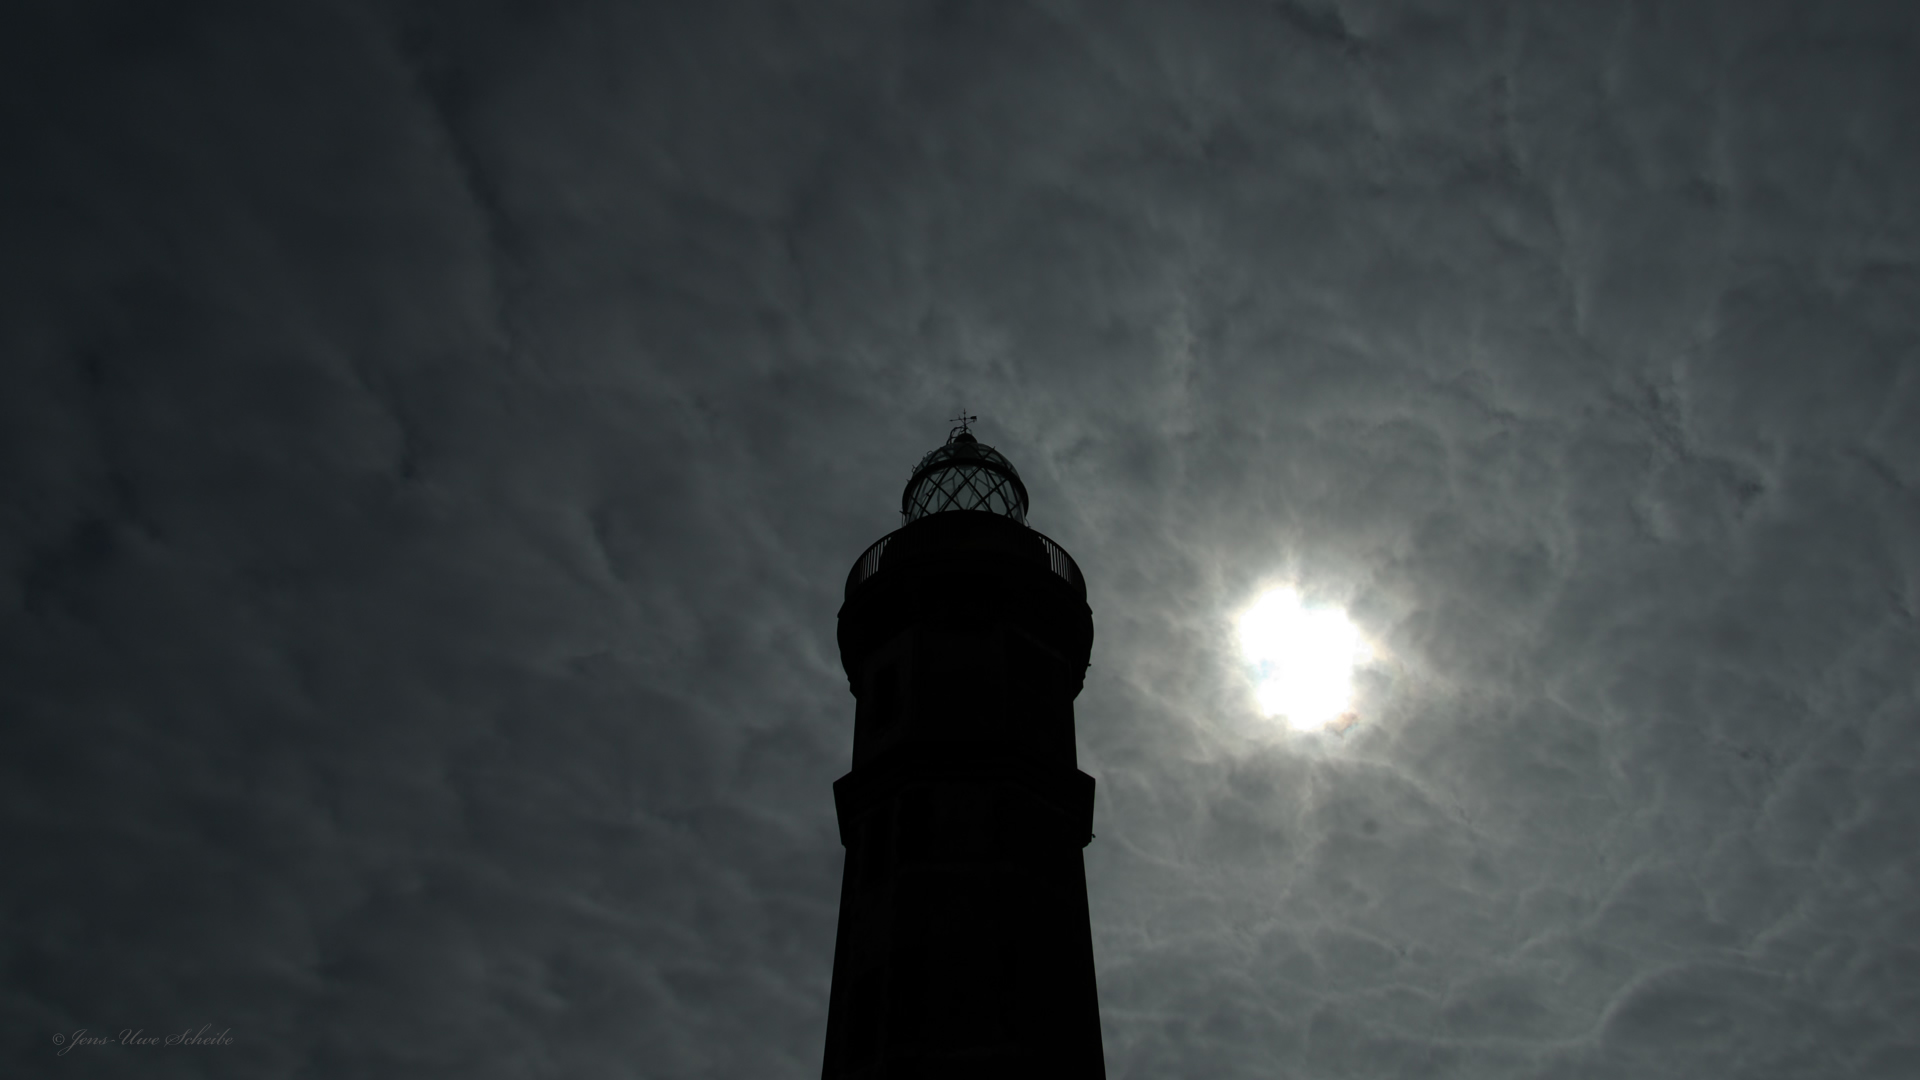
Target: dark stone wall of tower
964,946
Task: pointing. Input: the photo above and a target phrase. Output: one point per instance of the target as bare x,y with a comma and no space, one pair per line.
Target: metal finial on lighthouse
962,421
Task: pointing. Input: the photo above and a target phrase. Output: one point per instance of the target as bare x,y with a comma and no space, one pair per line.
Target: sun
1302,659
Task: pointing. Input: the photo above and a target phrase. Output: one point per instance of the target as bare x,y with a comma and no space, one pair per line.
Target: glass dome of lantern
965,474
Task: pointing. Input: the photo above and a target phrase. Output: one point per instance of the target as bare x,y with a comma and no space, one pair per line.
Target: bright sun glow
1302,658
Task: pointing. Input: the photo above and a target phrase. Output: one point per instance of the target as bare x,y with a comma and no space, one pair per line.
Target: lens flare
1302,658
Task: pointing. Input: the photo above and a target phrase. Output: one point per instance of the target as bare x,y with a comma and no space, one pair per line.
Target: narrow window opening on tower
886,696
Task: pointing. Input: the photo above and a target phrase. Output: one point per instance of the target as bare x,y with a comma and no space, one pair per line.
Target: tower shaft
964,945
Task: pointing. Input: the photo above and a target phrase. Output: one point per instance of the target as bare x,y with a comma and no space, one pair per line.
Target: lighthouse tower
964,947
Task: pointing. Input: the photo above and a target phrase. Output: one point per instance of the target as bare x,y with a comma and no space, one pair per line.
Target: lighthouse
964,947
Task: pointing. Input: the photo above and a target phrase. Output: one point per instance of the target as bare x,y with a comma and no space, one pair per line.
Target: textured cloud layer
436,437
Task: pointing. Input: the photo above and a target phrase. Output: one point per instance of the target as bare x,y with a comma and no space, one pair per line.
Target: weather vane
962,420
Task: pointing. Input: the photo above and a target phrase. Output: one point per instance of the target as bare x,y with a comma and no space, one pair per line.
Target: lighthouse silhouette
964,947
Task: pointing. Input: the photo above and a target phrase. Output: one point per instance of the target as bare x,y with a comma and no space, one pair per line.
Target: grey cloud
436,438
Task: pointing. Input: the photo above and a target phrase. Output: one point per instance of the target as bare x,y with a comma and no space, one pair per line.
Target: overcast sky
436,436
